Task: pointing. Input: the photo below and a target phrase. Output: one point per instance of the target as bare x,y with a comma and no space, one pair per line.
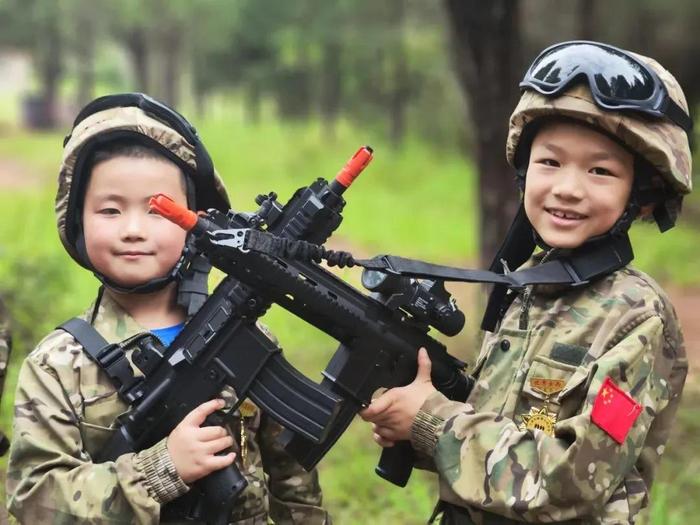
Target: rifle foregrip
396,463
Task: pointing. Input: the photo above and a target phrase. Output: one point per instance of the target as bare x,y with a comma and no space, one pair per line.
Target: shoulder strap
109,357
86,334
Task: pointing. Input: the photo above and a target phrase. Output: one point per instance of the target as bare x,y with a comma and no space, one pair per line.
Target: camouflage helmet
137,117
659,141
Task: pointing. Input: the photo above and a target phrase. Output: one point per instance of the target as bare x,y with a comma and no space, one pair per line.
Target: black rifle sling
109,357
574,270
598,259
595,259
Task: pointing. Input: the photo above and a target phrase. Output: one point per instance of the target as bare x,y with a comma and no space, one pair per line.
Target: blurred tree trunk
400,91
137,48
330,86
51,69
486,45
253,100
587,19
172,55
85,51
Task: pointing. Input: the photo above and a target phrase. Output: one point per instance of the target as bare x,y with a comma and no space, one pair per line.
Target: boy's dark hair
125,148
135,149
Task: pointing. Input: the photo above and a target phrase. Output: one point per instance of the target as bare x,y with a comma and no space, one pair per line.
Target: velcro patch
614,410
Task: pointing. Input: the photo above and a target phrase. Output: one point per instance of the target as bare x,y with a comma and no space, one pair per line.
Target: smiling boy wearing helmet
122,150
577,386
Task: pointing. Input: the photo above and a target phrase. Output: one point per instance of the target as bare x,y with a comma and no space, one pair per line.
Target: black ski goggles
617,80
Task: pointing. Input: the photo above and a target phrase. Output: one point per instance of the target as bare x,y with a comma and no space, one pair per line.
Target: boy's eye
598,170
548,162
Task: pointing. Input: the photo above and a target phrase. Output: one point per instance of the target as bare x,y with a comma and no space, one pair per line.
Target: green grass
414,201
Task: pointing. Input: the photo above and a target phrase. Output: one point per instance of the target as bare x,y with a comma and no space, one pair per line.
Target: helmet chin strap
151,286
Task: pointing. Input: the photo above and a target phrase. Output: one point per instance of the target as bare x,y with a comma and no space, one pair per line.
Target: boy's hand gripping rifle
222,345
380,335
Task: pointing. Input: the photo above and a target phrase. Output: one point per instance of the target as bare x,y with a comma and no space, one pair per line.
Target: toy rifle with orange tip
379,336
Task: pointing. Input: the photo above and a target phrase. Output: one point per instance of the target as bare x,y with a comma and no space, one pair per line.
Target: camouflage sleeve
52,479
485,460
295,495
5,345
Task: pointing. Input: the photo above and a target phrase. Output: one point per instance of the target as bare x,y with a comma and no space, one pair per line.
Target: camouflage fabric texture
65,408
621,327
661,142
5,348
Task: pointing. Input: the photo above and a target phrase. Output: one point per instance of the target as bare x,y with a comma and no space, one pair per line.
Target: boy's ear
520,174
646,211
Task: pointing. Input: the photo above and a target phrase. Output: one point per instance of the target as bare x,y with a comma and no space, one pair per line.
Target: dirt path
687,304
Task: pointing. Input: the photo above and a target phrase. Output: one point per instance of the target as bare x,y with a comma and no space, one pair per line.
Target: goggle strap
678,116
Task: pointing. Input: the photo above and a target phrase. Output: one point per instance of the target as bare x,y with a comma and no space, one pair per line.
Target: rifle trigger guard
232,238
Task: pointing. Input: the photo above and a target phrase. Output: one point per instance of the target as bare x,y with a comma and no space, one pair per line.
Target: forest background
284,92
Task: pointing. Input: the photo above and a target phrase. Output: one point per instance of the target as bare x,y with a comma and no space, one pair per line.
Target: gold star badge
539,419
542,419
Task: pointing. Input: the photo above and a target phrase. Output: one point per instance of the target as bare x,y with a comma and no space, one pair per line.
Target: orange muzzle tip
168,208
354,166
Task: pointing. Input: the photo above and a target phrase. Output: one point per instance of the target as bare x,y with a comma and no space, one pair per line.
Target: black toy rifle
222,345
379,335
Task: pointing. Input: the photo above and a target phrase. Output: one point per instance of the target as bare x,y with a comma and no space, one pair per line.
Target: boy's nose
569,184
133,227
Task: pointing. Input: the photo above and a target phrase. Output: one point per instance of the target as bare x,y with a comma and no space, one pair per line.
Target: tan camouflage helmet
659,141
143,119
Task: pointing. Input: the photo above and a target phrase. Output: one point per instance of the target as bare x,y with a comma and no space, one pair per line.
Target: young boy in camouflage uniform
122,150
577,387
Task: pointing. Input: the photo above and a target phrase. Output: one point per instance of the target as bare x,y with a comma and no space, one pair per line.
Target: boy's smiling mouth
565,214
133,253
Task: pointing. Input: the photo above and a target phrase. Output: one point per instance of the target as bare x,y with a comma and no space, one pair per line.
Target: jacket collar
111,320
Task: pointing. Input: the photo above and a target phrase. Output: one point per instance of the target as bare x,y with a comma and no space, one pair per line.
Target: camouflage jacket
492,460
5,344
65,408
5,347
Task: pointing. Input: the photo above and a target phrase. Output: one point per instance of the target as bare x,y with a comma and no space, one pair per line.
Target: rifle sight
426,301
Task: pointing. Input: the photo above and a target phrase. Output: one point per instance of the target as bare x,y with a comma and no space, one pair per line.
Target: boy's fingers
383,442
211,433
217,445
424,366
199,414
218,462
387,434
377,406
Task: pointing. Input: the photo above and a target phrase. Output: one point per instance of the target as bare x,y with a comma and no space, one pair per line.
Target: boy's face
124,240
578,184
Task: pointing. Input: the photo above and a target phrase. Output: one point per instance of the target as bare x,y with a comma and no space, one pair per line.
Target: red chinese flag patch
614,410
